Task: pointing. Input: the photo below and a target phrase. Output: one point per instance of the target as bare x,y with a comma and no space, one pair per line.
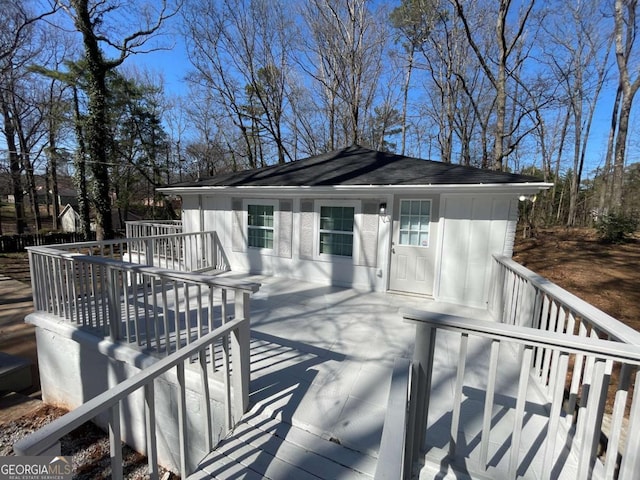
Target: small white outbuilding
69,219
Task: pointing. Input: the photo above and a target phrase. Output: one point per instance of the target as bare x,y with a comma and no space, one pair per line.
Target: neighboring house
360,218
69,219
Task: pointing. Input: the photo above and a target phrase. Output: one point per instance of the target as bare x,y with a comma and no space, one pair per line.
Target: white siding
190,213
474,228
470,229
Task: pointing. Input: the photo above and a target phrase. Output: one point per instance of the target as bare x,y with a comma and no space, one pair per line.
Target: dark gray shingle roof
357,165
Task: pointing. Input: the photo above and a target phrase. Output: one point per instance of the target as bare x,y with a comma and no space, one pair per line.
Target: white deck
321,361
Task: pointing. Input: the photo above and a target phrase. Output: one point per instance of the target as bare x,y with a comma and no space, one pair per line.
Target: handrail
144,228
578,421
192,251
391,464
45,439
157,308
529,336
604,323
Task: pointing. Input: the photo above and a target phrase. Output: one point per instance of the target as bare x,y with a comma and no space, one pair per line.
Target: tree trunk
606,172
14,167
80,177
97,133
405,98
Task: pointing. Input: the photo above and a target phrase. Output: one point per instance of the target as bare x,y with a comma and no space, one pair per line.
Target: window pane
415,218
424,239
337,218
260,215
260,223
336,244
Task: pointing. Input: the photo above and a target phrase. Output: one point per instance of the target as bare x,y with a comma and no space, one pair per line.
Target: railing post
420,389
240,356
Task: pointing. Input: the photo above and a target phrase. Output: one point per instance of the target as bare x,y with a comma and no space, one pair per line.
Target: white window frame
356,205
400,221
264,202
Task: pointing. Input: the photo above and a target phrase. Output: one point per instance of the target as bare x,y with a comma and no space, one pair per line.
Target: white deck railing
151,228
234,334
155,308
189,252
522,297
583,361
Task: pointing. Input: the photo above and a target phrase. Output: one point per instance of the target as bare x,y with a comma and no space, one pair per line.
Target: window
415,216
336,230
260,225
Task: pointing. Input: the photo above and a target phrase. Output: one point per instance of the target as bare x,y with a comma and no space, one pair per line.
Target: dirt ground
607,276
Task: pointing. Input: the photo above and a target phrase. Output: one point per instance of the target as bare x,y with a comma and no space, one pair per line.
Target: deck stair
263,447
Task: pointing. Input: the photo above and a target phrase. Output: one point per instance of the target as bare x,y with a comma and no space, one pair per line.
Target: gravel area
88,447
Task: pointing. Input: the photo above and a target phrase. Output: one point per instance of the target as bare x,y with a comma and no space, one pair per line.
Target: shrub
616,227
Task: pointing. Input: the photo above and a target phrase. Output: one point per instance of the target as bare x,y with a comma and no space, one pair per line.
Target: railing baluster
206,400
488,402
211,324
187,312
115,447
457,393
546,363
617,417
593,417
176,316
518,419
560,367
154,314
631,459
182,420
199,308
136,314
576,379
544,320
150,419
165,316
149,317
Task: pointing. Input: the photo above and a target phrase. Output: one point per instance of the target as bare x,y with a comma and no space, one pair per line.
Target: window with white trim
336,230
415,218
260,225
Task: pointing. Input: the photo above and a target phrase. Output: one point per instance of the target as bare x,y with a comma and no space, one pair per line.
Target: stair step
262,447
15,373
339,454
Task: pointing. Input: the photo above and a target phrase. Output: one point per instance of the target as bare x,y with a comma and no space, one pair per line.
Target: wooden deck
321,364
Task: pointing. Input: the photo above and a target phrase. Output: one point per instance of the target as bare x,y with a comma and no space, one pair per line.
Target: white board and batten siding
474,228
295,250
470,229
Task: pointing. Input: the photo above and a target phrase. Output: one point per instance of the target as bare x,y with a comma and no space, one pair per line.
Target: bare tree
241,50
125,29
625,23
22,99
500,69
346,45
577,52
414,20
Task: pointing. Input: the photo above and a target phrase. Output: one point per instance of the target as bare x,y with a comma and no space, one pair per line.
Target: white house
366,219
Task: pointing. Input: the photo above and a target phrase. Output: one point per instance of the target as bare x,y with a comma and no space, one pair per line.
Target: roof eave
520,187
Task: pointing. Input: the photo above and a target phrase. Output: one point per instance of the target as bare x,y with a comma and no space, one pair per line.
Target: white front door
414,245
